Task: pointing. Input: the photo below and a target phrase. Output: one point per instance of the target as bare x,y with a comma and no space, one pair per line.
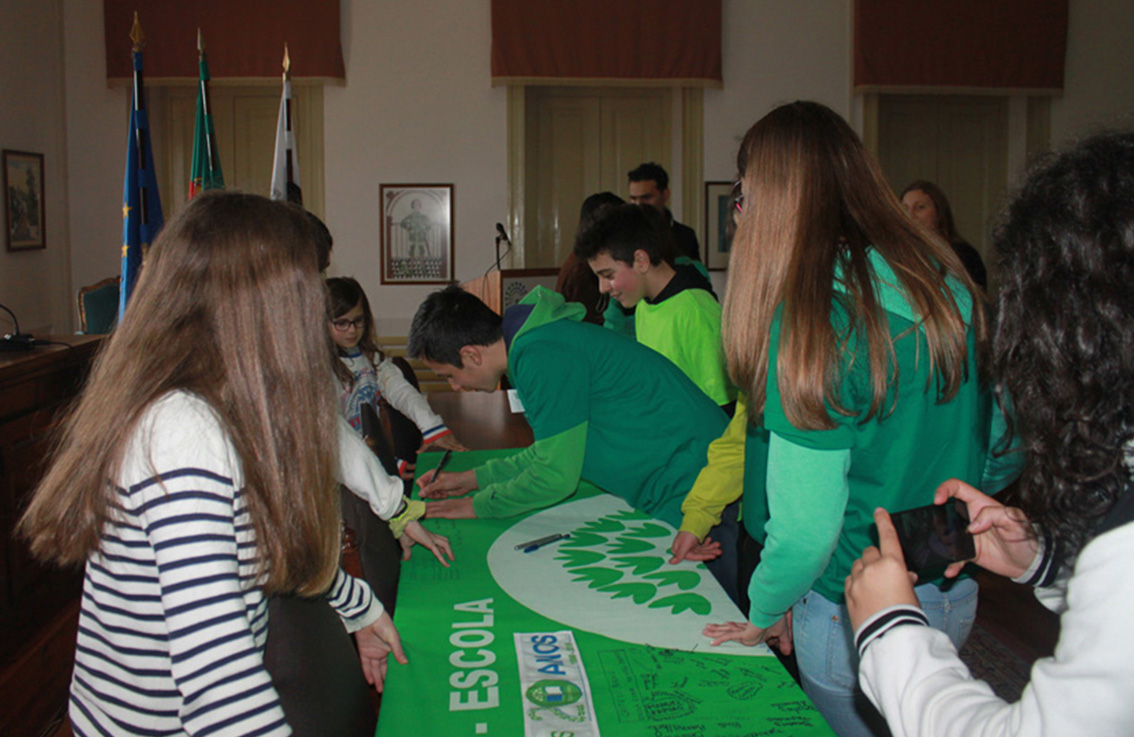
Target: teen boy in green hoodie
601,408
675,310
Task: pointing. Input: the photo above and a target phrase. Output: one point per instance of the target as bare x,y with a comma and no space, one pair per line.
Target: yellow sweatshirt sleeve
721,481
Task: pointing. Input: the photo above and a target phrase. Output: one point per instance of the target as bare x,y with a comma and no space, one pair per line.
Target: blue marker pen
534,545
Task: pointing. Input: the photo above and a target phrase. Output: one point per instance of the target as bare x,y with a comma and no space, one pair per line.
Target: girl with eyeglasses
366,374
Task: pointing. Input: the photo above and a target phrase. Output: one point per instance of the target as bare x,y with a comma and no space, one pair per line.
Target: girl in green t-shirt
854,334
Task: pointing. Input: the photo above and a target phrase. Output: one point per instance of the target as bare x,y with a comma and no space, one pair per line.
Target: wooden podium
502,288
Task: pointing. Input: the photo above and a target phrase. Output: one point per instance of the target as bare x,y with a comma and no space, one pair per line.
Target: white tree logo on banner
611,577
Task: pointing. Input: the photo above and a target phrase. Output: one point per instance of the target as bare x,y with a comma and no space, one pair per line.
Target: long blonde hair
231,307
815,204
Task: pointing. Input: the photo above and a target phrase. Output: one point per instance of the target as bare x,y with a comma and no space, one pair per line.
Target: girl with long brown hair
855,340
183,493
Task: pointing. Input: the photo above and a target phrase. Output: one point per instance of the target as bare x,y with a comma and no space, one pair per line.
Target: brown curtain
243,39
670,41
968,44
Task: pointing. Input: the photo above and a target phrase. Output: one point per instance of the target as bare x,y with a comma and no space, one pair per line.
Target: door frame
687,104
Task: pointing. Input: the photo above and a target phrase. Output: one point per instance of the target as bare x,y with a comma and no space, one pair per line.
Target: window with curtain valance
991,46
244,39
639,42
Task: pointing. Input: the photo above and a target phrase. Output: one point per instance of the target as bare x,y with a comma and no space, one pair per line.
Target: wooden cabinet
38,603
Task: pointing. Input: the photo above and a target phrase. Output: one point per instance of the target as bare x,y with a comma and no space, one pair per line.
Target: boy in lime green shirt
675,310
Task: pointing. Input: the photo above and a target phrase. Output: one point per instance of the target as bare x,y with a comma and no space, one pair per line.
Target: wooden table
482,420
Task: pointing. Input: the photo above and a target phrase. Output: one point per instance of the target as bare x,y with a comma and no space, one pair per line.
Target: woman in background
927,204
1063,352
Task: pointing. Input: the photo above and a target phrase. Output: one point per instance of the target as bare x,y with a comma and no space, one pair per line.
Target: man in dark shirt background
649,187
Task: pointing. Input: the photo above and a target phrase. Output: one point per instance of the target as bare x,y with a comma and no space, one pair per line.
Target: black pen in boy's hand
441,465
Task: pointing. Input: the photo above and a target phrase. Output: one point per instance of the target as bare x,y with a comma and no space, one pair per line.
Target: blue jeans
828,661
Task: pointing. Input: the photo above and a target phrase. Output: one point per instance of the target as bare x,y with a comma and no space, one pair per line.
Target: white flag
285,168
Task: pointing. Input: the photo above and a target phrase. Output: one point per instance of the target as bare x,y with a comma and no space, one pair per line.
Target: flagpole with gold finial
141,201
205,101
285,164
286,79
139,39
206,170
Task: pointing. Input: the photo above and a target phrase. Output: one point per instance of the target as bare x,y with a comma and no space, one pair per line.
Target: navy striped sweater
173,621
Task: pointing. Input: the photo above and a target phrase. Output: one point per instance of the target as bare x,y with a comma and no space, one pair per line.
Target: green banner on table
636,622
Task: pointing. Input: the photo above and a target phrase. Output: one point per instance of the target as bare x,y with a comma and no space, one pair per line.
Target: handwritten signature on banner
679,694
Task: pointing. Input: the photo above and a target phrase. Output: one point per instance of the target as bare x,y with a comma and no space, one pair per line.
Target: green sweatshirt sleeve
721,481
502,469
547,472
807,499
1001,470
615,318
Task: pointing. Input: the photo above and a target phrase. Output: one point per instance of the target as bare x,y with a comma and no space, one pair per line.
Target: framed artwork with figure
719,209
417,233
23,201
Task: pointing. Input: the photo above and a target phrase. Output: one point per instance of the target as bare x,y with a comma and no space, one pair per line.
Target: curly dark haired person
1063,351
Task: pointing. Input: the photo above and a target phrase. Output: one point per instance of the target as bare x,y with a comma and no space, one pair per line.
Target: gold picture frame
24,214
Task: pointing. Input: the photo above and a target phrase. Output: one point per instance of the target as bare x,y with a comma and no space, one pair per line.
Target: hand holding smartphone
934,536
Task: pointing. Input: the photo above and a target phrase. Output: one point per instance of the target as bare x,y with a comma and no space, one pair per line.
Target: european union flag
141,203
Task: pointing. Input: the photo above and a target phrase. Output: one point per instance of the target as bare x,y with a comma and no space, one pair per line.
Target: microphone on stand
501,235
16,341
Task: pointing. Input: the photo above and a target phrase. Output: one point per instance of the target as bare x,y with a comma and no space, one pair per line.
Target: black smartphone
934,536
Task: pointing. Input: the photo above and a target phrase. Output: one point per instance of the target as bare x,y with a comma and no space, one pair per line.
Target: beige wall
36,285
1098,87
419,107
775,52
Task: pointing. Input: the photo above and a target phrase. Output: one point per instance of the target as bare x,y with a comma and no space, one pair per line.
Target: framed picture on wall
719,208
417,233
23,200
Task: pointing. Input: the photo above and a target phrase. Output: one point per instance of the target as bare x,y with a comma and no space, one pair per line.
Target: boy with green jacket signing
601,407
